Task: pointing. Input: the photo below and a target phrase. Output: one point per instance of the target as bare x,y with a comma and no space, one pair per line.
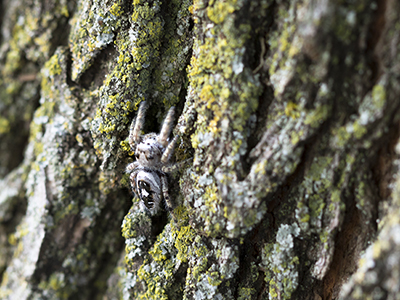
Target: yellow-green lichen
135,71
116,10
51,69
56,286
183,240
291,110
4,125
379,96
93,30
280,258
317,116
218,11
215,72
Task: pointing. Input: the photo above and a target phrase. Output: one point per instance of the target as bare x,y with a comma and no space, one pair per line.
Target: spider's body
147,176
148,152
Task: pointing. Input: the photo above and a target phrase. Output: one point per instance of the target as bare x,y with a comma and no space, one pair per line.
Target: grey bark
288,124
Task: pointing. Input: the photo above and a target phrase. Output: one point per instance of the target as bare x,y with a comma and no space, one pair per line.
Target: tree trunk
288,124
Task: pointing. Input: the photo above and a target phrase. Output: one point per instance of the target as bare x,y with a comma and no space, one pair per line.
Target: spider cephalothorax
148,176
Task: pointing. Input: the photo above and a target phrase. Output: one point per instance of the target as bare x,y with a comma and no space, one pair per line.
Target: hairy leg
169,150
167,200
167,127
137,124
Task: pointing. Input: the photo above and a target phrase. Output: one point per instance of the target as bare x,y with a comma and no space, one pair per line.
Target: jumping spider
148,174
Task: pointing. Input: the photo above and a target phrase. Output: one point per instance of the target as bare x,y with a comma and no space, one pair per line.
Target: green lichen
46,111
177,242
174,244
291,110
51,69
281,262
281,43
246,289
379,96
184,239
92,30
218,11
4,125
146,69
318,116
26,47
154,289
73,196
214,72
55,286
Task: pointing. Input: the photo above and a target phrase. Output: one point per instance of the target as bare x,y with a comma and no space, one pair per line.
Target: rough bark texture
288,117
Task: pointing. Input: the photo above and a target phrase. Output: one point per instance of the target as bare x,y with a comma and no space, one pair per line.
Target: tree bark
288,124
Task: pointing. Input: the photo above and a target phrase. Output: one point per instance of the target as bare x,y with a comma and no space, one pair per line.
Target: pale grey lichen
281,262
95,28
30,234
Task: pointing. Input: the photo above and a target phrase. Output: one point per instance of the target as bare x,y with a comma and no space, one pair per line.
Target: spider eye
150,157
144,185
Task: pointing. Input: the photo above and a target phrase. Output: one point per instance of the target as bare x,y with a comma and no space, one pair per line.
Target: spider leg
164,183
169,150
137,124
132,179
132,166
177,166
133,169
167,127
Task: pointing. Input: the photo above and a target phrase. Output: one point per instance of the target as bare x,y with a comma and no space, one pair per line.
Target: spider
148,175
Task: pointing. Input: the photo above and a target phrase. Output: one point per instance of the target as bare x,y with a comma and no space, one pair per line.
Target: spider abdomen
147,188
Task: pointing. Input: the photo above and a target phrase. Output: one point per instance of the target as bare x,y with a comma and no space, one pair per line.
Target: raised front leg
167,127
137,124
